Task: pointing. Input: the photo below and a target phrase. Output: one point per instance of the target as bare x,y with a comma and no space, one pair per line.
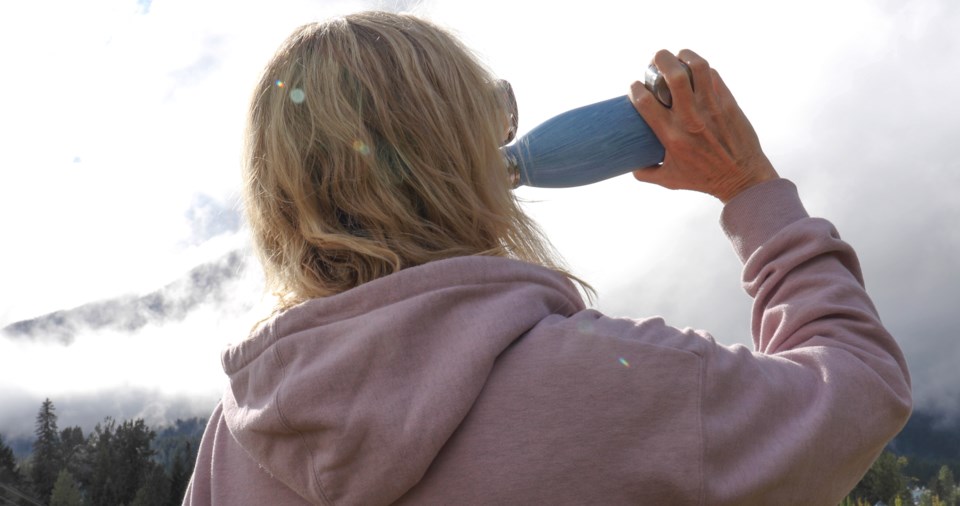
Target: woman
427,349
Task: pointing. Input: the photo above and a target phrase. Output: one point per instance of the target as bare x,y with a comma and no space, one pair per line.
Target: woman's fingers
710,145
702,75
653,112
677,77
646,104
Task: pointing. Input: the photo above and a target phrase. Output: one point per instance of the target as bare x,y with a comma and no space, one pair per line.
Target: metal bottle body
583,146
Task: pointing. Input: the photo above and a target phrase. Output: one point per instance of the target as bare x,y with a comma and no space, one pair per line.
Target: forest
117,463
128,463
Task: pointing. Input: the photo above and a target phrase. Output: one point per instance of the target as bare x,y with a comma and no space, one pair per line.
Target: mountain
203,284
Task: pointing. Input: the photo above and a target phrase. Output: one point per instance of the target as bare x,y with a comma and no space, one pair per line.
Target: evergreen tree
99,485
9,470
180,475
77,453
71,445
884,481
155,490
133,440
65,491
945,487
46,451
171,440
120,461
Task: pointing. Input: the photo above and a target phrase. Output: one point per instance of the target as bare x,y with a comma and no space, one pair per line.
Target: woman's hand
710,145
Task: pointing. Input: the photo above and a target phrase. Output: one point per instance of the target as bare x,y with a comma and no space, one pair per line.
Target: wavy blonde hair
373,146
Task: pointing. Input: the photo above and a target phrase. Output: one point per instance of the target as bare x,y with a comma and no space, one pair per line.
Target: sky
122,124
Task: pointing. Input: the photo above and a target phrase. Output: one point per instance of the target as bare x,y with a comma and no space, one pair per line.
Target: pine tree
65,491
9,470
180,475
76,452
71,443
946,486
155,490
100,485
884,481
46,451
133,441
120,461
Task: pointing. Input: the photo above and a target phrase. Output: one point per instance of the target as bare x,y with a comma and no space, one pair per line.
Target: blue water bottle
583,146
590,143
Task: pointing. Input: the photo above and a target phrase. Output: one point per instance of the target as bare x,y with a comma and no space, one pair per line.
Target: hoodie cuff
760,212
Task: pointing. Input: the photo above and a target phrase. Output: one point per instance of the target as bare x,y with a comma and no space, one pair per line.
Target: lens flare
361,147
297,96
279,83
624,362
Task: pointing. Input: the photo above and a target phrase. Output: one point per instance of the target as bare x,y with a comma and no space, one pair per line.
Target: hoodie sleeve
805,414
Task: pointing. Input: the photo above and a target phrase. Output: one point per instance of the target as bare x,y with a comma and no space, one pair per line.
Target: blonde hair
372,146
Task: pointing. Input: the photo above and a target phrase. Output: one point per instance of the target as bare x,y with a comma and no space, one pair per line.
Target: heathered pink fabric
482,380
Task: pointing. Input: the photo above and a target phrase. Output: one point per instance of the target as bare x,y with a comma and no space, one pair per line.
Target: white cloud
116,122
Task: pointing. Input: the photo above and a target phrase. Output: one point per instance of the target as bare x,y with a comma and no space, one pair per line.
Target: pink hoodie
481,380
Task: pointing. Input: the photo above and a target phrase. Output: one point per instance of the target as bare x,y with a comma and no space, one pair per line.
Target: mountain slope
203,284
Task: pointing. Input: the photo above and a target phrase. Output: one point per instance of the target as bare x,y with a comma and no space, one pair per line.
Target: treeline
130,464
920,469
887,482
930,440
123,463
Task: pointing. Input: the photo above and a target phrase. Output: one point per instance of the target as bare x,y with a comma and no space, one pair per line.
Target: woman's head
373,146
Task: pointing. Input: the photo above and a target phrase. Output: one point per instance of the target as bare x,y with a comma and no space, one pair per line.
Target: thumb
653,175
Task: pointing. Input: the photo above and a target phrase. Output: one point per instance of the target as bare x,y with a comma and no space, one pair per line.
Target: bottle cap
653,80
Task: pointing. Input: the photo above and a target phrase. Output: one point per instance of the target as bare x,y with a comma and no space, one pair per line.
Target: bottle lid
654,81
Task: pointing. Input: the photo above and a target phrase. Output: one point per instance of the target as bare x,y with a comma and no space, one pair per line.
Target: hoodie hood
348,399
